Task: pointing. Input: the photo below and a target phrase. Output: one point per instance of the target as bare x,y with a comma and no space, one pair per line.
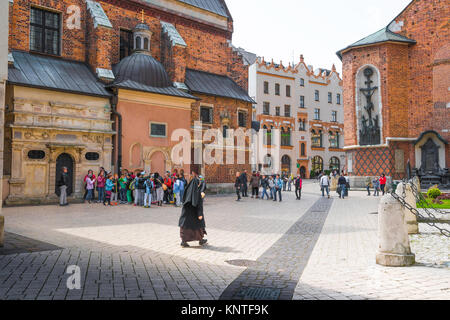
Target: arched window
286,164
335,164
303,150
138,43
317,164
146,44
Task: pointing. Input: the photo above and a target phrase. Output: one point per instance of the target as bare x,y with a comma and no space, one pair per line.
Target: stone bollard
394,249
2,230
410,218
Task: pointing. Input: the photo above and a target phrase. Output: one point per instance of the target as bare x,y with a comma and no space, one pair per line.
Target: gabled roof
215,85
33,70
215,6
383,35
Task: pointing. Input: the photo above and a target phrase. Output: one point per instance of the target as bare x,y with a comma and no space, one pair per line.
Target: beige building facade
306,106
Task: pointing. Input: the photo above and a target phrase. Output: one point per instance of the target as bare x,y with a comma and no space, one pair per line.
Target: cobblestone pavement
133,253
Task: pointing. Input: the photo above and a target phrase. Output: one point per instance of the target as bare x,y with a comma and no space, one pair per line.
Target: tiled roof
54,74
380,36
216,6
168,91
215,85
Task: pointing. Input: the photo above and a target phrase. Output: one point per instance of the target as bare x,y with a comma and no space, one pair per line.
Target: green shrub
327,172
433,193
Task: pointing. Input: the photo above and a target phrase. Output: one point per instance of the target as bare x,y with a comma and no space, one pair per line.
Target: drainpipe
114,100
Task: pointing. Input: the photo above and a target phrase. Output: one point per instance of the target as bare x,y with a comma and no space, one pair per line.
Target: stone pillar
394,249
411,219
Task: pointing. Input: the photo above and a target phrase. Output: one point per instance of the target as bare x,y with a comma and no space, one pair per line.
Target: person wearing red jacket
383,183
298,187
168,192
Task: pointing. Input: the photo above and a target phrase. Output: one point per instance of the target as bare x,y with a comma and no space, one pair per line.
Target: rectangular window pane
51,41
158,129
51,20
242,121
277,111
36,16
126,43
206,115
266,108
36,38
302,101
287,111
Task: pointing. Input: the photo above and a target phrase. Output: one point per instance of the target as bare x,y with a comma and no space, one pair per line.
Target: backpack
133,184
140,183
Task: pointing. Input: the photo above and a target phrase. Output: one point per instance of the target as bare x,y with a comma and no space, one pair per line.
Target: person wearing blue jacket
278,186
108,188
148,193
178,190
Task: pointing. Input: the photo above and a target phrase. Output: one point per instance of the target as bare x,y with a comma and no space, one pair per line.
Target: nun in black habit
192,222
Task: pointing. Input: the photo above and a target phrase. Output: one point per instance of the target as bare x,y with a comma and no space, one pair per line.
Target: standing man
63,184
237,186
325,184
298,187
342,182
244,182
278,187
264,186
192,222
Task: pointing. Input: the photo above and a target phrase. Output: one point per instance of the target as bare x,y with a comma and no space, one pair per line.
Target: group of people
343,183
270,185
135,188
378,184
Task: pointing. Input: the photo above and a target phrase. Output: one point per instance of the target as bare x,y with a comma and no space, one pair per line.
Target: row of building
105,83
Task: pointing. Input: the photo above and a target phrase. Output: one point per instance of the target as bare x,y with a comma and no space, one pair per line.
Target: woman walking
192,221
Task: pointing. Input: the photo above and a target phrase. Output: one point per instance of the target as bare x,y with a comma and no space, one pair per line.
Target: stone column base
395,260
413,227
2,230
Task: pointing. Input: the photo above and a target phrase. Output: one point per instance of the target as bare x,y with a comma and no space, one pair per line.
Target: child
108,187
115,190
123,188
376,187
90,181
148,193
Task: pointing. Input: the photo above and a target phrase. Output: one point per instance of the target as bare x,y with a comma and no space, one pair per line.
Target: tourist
264,186
237,186
271,186
101,181
342,182
383,180
290,181
108,190
130,188
376,187
140,189
298,187
178,190
123,188
92,176
285,180
254,183
148,192
368,185
278,186
169,188
90,182
115,190
158,182
325,184
192,221
63,184
244,182
182,178
347,183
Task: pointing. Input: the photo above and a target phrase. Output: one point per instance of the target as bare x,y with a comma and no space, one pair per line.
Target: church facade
396,97
105,84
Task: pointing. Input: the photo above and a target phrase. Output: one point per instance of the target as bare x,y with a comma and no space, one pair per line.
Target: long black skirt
192,235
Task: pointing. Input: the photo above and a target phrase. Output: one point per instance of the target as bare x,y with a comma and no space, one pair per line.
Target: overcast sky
281,29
